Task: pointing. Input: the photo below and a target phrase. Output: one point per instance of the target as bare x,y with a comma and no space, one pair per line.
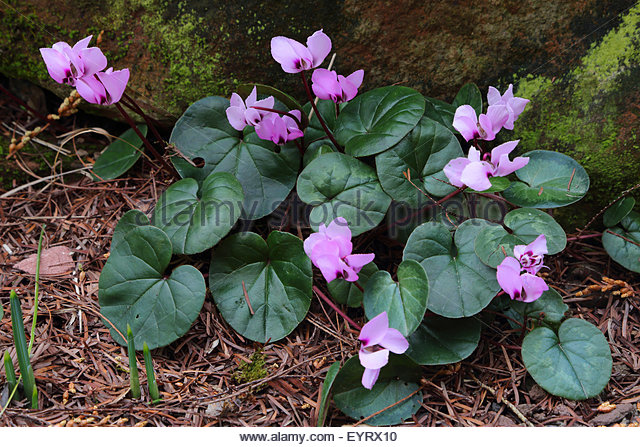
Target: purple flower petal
502,149
92,60
493,96
329,267
533,286
508,276
476,175
369,377
506,167
57,64
394,341
465,121
453,170
356,262
319,46
373,359
374,330
115,83
91,90
291,54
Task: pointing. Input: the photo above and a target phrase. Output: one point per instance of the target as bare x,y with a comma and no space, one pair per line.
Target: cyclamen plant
350,155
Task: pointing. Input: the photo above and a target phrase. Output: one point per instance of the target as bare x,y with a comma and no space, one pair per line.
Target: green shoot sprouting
9,371
22,351
151,377
133,366
36,292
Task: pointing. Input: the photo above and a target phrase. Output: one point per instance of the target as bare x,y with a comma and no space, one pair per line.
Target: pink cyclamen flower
517,275
66,64
485,127
377,340
475,173
240,113
330,251
515,106
295,57
103,88
330,85
279,129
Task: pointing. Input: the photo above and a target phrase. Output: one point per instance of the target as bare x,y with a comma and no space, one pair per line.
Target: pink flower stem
131,104
357,284
448,196
586,236
334,307
315,109
279,112
146,142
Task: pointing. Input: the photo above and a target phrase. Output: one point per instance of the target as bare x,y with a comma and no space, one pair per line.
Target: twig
504,401
387,407
246,297
336,308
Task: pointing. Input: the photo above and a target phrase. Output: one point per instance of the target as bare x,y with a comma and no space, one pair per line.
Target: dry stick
334,307
246,297
315,108
621,196
622,237
387,407
506,402
148,145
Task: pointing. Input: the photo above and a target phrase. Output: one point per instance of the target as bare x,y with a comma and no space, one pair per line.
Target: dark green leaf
623,243
277,276
405,302
266,172
441,112
575,364
460,284
549,180
424,152
618,211
549,307
120,155
197,218
376,120
494,243
345,292
129,221
133,290
397,380
337,185
440,341
332,372
469,94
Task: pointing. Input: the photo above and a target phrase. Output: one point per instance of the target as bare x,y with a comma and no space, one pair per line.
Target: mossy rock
181,51
592,114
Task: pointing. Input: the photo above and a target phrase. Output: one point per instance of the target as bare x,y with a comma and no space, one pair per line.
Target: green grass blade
151,377
133,366
20,342
332,372
34,398
37,291
10,372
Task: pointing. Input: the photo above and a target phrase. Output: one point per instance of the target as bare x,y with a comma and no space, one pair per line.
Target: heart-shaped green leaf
623,243
266,172
575,364
549,307
441,112
423,153
460,284
120,155
493,243
345,292
133,290
549,180
469,94
130,220
277,277
332,372
398,380
618,211
197,218
337,185
376,120
440,341
405,302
